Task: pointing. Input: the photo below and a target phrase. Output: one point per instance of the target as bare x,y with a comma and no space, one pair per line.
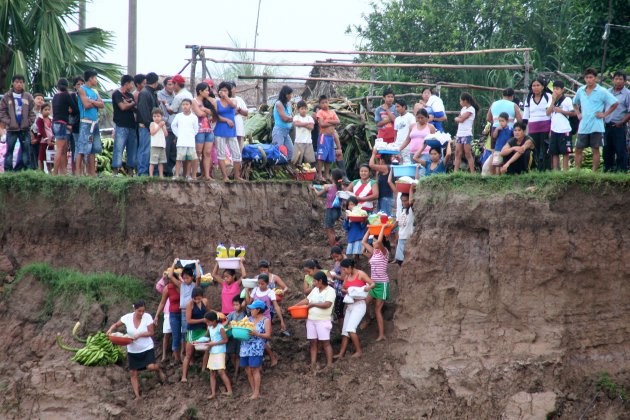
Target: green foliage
611,388
233,70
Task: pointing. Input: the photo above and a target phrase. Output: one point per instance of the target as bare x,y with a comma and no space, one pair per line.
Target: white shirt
157,140
141,344
405,223
239,122
185,128
319,314
560,123
464,129
402,123
436,104
535,112
303,134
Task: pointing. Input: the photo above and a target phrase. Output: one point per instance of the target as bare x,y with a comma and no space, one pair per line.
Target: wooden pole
193,69
569,78
385,53
526,76
132,36
377,65
264,87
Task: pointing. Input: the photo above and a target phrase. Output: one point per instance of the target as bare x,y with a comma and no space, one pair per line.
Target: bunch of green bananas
104,159
98,351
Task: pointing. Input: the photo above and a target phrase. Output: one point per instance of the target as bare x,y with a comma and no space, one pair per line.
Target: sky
166,27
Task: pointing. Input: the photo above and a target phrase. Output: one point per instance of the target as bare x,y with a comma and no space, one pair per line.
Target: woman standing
196,327
378,253
417,133
253,350
355,310
62,107
204,108
225,131
283,121
365,189
538,122
140,353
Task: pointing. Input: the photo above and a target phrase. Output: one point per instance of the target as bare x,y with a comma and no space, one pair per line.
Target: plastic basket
402,187
120,341
404,170
376,229
388,152
240,333
305,176
299,312
249,283
229,263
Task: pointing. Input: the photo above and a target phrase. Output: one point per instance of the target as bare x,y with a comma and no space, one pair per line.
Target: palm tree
34,42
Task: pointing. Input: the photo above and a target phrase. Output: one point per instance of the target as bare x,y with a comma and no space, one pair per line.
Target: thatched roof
331,89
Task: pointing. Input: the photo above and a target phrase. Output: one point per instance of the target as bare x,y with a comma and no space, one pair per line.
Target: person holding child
216,358
252,351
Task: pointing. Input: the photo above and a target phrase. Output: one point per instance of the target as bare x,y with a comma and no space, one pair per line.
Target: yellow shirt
316,296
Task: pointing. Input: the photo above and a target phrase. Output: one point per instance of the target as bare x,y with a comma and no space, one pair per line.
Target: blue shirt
222,129
276,116
92,113
502,105
597,101
354,230
502,138
439,169
215,337
623,98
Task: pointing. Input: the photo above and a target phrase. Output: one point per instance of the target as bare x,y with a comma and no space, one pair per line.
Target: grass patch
538,185
611,388
70,287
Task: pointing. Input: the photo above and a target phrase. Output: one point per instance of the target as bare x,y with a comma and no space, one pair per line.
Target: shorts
140,361
166,326
251,361
186,154
354,248
232,144
400,250
60,130
380,291
318,329
559,144
464,140
330,217
195,335
233,346
304,151
201,138
326,148
158,155
589,140
216,361
89,141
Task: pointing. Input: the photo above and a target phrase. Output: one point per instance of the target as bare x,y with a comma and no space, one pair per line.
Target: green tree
35,43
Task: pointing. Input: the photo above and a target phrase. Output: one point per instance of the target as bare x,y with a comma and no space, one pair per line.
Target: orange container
120,341
357,218
403,188
299,312
305,176
376,229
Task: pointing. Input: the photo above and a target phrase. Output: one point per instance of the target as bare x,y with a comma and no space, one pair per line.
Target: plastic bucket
403,188
299,312
404,170
376,229
229,263
240,333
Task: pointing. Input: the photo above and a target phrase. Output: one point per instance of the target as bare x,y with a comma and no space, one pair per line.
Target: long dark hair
469,98
337,177
284,92
545,92
200,88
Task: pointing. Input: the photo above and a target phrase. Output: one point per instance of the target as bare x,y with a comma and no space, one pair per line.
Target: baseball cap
178,79
257,304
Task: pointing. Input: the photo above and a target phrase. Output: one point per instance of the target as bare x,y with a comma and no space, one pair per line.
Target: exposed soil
528,310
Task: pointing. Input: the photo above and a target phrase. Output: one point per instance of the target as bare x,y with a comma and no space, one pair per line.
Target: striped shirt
378,264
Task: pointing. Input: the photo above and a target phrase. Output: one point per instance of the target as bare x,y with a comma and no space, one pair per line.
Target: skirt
140,361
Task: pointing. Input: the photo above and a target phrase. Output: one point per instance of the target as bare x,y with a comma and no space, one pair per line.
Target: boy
560,109
402,123
328,146
303,144
384,117
158,142
500,136
44,137
185,126
233,347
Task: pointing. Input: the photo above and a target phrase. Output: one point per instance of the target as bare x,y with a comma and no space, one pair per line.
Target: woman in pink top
378,252
230,285
204,107
417,133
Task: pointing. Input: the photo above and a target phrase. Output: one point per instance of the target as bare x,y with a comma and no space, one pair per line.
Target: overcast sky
165,27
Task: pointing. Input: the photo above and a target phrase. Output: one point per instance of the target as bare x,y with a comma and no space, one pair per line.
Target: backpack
574,121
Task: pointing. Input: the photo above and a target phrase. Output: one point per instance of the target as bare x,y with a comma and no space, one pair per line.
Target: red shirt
173,297
356,282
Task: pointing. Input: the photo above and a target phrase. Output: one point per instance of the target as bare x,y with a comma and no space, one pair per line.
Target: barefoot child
378,253
354,232
185,126
216,360
333,210
158,142
464,134
328,145
304,123
230,286
253,350
233,347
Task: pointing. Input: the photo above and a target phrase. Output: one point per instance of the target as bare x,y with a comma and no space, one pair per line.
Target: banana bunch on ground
98,350
104,159
243,323
306,167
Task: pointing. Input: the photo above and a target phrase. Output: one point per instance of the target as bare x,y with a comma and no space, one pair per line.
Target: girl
365,189
166,326
216,360
335,274
268,297
275,281
253,350
417,134
45,137
538,122
196,326
230,285
225,132
333,211
310,268
62,106
140,353
204,108
404,218
385,191
354,232
465,131
283,121
437,164
355,310
378,253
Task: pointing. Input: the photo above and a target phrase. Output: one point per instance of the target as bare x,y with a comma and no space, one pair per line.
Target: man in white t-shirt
560,108
402,125
303,150
241,111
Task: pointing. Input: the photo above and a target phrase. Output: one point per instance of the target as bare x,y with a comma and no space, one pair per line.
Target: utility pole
82,14
132,36
256,33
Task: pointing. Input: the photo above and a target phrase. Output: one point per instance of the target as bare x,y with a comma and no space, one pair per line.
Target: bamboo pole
385,53
569,78
377,65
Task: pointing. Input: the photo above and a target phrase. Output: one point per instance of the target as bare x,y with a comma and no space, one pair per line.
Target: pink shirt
159,286
417,139
228,291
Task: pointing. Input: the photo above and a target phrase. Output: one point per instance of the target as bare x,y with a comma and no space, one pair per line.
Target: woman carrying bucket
365,189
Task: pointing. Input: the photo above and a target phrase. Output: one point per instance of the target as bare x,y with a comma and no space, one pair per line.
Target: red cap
178,79
209,82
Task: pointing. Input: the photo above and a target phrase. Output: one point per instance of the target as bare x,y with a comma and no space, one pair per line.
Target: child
3,146
166,326
216,360
333,209
465,131
385,116
44,136
404,218
158,142
252,351
337,255
560,109
354,232
230,286
328,146
185,126
303,150
437,165
402,125
500,136
233,345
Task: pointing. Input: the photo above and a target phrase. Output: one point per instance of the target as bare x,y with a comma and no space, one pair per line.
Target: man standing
125,120
402,125
384,117
147,100
165,98
16,112
615,150
139,81
89,143
589,103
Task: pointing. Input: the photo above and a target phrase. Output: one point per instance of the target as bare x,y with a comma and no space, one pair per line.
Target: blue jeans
176,329
125,138
385,205
280,136
89,141
615,149
144,151
24,138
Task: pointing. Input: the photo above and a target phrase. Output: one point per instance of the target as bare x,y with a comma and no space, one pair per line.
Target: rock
526,406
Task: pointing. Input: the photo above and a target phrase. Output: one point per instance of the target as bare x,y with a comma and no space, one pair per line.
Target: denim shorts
464,140
354,248
60,130
251,361
330,217
86,147
400,250
175,321
201,138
